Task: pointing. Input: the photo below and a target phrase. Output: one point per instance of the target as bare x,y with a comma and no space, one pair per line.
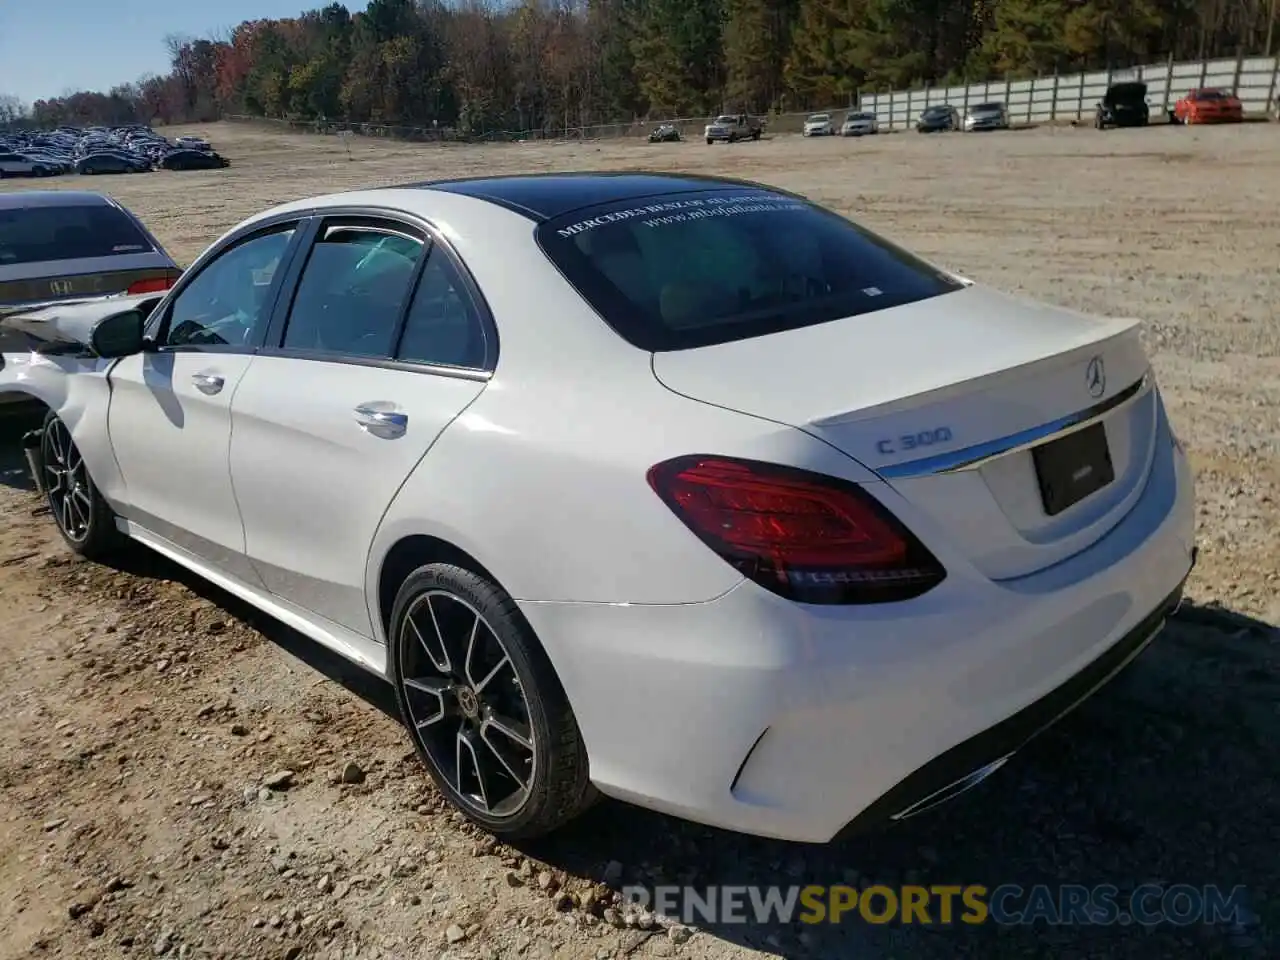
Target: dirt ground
144,711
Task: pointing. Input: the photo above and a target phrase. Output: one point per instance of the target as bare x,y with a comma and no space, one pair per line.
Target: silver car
819,125
987,116
860,124
59,245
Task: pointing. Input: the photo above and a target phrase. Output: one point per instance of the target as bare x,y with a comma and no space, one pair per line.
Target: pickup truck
730,128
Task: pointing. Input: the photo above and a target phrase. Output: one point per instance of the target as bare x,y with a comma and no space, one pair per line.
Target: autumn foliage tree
477,66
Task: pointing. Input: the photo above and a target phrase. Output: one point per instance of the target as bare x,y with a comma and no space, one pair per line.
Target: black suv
1123,105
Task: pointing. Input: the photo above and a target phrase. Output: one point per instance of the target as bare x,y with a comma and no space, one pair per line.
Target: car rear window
35,234
687,270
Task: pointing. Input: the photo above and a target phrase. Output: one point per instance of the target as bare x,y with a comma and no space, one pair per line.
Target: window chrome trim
976,456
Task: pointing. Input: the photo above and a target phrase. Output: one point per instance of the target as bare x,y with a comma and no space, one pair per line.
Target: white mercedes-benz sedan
681,490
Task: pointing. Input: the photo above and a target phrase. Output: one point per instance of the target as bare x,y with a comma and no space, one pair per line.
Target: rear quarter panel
543,478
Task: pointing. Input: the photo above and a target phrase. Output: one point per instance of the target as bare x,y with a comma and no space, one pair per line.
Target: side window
443,326
352,291
227,302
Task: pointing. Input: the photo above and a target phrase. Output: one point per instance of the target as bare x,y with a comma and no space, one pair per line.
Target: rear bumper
767,717
969,763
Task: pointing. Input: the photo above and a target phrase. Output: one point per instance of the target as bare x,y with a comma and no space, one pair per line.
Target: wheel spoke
79,515
513,730
434,689
469,758
55,444
471,651
441,663
504,662
508,765
66,514
57,474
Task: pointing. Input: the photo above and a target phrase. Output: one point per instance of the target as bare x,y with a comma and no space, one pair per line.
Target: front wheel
84,519
483,705
755,134
709,141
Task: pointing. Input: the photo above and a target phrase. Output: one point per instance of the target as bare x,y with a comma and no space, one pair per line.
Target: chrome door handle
375,418
208,383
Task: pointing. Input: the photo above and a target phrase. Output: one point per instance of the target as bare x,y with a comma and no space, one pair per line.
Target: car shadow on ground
1164,777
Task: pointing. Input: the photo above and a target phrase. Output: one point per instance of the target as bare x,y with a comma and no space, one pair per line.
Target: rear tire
84,519
483,705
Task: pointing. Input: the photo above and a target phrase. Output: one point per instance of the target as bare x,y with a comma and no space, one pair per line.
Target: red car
1209,105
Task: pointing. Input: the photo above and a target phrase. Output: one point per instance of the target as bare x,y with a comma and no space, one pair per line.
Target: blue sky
50,47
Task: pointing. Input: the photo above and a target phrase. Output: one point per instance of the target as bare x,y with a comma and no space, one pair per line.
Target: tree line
554,64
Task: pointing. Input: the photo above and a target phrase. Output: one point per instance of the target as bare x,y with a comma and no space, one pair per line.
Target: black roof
51,198
544,196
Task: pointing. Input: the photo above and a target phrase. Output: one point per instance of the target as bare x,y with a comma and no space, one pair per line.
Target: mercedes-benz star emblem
1095,377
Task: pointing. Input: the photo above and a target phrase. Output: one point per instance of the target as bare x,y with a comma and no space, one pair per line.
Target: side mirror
119,335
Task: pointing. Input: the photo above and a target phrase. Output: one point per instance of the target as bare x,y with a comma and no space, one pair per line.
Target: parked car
183,159
68,245
1208,105
664,133
731,129
860,124
1123,105
23,165
956,546
987,116
193,143
819,125
112,161
938,118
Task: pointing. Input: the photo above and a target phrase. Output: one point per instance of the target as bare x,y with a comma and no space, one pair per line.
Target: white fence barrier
1255,80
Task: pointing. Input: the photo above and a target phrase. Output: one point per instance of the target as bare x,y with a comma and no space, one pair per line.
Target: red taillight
805,536
153,285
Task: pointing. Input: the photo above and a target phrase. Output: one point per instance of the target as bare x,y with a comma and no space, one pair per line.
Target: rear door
383,344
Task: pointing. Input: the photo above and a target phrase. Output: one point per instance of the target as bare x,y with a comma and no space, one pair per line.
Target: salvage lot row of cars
134,148
1123,104
802,533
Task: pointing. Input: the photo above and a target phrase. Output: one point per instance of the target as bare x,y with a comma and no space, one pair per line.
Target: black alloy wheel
483,706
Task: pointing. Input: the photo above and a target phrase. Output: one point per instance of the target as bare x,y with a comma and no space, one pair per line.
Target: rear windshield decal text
680,211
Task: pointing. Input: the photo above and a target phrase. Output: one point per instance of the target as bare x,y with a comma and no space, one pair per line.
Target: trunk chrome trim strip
971,458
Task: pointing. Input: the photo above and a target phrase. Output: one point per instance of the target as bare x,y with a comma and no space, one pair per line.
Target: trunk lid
924,394
49,281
